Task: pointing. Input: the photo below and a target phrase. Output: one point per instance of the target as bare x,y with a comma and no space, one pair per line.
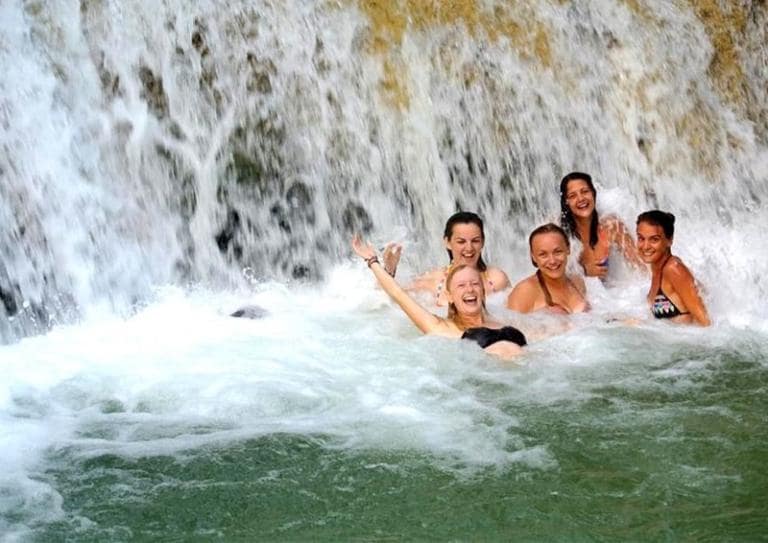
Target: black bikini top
488,336
662,307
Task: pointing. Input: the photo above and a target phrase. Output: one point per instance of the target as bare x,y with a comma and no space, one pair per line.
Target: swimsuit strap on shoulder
547,295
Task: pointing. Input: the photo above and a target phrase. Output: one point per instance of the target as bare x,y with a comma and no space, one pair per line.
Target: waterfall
159,143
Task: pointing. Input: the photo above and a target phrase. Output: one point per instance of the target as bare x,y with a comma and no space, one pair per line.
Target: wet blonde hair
452,313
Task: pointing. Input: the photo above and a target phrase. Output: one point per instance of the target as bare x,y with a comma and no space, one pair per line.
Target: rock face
180,144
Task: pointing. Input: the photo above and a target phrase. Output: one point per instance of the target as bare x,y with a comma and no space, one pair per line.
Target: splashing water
163,165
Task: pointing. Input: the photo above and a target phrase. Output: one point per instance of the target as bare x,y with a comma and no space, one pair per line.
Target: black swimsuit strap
661,275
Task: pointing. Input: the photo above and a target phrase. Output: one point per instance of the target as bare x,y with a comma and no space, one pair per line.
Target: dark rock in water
224,239
302,271
9,302
153,92
250,312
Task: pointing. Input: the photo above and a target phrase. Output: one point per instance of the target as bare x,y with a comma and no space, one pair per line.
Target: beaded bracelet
371,260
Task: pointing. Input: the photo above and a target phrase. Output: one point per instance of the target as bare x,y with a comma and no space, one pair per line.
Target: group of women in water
463,285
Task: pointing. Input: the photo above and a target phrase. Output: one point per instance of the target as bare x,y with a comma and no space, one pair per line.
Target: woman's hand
363,250
391,257
594,269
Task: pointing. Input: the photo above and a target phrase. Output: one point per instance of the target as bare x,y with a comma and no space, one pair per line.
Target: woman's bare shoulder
429,280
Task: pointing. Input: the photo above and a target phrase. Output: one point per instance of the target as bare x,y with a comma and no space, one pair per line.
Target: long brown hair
566,215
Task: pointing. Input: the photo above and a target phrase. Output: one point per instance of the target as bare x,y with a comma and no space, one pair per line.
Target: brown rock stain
391,19
725,29
697,127
640,10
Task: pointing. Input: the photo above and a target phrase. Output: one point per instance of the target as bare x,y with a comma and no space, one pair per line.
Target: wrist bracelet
371,260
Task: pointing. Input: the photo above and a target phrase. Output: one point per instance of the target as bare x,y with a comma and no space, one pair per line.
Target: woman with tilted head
673,294
579,218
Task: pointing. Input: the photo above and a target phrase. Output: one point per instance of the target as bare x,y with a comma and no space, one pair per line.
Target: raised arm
423,319
685,287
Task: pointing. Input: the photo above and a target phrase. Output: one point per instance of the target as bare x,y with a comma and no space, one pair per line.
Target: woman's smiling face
465,243
580,198
652,243
549,251
466,291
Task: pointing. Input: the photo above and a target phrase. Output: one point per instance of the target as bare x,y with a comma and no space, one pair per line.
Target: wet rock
250,312
356,219
247,170
280,216
303,271
224,239
299,195
299,200
153,92
9,302
259,79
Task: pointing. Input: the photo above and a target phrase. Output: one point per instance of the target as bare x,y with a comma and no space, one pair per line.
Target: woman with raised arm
550,288
464,238
467,317
579,218
673,294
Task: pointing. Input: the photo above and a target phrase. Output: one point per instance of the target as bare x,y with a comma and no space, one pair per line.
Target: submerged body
465,294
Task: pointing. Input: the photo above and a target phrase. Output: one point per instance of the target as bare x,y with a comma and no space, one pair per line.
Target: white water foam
339,361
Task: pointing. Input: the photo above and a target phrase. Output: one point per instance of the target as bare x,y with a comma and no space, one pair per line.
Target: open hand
364,250
391,257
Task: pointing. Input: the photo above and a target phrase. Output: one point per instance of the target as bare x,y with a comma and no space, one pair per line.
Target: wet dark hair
549,228
465,217
566,216
660,218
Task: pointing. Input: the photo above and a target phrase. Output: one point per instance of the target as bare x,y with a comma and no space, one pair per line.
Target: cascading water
162,164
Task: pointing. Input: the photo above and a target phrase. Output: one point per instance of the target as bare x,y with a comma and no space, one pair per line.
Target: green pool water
651,453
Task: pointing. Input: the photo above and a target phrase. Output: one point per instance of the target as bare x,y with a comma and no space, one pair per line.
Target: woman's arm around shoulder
497,277
684,285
